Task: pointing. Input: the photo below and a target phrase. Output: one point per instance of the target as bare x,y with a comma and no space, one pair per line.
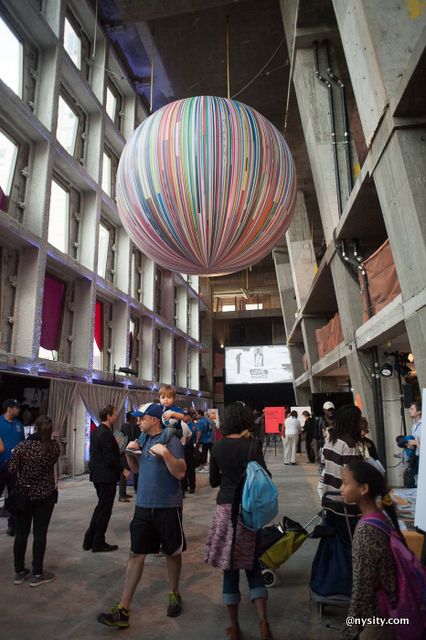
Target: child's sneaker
117,617
174,608
41,578
21,576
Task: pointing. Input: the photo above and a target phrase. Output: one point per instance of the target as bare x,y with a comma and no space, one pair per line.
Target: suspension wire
228,67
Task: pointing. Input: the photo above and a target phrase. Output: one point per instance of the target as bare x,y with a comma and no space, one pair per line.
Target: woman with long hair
342,446
373,566
33,463
230,546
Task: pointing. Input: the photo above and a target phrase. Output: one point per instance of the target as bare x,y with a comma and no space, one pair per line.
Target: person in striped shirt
343,446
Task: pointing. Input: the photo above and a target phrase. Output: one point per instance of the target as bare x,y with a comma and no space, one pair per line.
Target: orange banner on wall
274,416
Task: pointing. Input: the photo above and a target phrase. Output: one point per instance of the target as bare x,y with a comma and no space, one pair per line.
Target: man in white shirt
291,434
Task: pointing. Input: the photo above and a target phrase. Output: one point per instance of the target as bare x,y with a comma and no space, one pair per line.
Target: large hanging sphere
206,186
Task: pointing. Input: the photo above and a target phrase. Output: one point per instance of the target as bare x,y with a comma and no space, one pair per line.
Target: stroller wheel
269,577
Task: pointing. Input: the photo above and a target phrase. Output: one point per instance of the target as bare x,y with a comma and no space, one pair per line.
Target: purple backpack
411,582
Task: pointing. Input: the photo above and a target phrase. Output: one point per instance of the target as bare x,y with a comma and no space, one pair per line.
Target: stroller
331,574
278,543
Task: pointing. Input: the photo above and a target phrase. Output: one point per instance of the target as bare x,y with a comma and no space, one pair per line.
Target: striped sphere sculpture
206,186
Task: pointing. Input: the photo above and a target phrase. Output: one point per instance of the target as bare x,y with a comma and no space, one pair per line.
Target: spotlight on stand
386,370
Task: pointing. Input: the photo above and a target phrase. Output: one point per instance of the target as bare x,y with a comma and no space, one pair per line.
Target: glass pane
228,307
106,174
47,355
59,217
111,104
72,43
97,356
11,59
254,306
8,155
103,250
66,131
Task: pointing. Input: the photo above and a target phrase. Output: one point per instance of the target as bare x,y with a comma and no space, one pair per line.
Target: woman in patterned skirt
230,546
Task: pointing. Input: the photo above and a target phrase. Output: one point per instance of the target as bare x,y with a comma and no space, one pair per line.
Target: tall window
58,234
135,325
106,173
103,246
8,157
157,290
98,336
67,128
158,345
52,314
137,274
107,250
72,43
113,103
11,59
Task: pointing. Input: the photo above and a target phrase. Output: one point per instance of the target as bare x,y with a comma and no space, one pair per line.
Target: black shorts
151,529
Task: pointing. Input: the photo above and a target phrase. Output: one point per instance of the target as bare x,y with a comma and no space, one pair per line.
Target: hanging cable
290,78
228,70
151,90
260,72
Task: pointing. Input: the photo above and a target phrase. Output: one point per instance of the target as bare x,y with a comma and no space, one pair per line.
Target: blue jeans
231,580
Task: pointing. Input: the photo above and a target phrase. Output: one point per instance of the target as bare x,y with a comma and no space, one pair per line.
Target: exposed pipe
327,83
346,133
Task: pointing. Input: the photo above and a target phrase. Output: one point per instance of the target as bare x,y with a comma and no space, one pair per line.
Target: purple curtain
53,298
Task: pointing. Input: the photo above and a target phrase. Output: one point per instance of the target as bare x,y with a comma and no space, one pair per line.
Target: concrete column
401,187
378,37
301,251
28,303
84,316
147,348
120,334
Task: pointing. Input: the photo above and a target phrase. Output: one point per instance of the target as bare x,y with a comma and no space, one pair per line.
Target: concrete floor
89,583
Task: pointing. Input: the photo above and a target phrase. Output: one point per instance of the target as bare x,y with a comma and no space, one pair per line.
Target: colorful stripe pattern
206,186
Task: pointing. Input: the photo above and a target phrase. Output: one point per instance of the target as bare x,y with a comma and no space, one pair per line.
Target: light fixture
386,370
410,357
130,372
222,346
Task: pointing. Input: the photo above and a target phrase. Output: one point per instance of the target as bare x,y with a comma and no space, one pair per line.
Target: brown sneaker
234,633
265,632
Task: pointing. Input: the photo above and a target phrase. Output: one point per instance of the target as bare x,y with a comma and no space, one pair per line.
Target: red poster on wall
274,416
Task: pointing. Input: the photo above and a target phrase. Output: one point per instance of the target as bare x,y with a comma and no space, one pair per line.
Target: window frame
111,251
73,223
85,42
28,62
14,165
80,135
117,120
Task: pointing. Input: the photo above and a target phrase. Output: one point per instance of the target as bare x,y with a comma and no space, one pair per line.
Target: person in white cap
322,427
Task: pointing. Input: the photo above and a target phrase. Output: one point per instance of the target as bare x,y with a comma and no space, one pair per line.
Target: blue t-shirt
207,430
157,488
12,433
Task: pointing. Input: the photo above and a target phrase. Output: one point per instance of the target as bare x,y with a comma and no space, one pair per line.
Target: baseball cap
152,409
9,403
328,405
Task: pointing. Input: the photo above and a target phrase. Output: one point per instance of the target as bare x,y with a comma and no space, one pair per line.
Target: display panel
252,365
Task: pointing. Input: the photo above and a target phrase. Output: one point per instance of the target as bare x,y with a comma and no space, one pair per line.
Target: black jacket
105,464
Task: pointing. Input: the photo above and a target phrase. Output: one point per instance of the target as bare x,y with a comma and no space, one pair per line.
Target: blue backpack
259,501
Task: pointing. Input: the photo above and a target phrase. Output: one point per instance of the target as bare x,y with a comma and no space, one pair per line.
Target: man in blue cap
157,521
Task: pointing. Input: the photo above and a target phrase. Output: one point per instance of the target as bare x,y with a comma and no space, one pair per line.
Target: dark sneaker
123,500
174,608
41,578
21,576
117,617
104,548
86,545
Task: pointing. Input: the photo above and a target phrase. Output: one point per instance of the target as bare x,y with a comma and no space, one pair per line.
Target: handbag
18,501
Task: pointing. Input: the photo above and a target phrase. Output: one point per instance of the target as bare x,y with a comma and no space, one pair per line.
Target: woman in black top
33,462
232,547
